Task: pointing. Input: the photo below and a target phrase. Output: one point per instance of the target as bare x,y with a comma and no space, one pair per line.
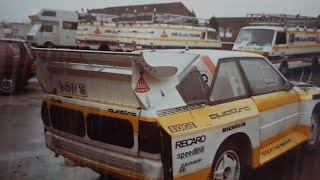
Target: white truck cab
53,28
287,41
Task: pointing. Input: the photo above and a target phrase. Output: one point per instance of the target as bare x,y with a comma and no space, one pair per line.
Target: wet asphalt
23,154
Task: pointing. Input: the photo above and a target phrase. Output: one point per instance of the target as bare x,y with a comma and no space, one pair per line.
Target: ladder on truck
283,20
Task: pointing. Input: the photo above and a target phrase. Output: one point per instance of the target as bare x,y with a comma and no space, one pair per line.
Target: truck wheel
284,69
7,85
48,45
227,164
104,47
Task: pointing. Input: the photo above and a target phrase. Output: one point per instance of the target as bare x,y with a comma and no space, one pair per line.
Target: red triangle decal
142,86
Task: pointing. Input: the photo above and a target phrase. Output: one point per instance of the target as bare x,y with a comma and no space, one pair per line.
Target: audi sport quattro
172,114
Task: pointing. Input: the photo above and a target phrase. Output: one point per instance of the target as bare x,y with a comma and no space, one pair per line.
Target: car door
279,109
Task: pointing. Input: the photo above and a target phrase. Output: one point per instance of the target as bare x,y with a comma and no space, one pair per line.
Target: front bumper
104,161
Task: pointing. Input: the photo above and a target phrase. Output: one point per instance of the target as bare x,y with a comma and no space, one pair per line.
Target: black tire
104,47
284,68
8,85
228,152
48,45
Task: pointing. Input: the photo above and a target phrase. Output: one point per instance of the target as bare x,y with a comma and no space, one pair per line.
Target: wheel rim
7,85
227,167
314,130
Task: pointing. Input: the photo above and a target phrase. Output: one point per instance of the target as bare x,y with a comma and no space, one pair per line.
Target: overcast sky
18,10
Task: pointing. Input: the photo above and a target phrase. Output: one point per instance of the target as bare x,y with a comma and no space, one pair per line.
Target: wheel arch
244,144
316,109
47,43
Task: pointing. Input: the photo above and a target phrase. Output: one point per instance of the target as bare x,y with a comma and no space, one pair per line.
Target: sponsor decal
191,141
250,48
182,127
276,147
164,34
187,154
184,166
122,112
97,31
229,112
233,127
142,86
305,39
192,35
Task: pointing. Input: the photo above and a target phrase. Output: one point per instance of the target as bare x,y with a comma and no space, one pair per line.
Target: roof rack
283,20
144,18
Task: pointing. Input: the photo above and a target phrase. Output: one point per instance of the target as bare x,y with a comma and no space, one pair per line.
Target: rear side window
228,84
192,88
261,76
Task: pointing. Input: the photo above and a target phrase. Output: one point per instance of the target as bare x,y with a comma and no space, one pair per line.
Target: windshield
35,28
261,37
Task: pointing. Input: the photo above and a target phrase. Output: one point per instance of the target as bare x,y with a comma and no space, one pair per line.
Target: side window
192,88
228,83
203,35
49,13
212,35
261,76
281,38
291,38
69,25
46,28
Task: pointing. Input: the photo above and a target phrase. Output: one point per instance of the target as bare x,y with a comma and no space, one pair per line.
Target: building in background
176,8
229,27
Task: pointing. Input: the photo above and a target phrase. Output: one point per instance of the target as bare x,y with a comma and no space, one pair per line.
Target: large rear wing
105,76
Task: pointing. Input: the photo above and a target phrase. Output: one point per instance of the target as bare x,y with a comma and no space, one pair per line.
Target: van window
212,35
291,38
203,35
49,13
69,25
46,28
281,38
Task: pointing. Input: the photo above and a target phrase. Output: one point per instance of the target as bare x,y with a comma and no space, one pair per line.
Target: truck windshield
260,37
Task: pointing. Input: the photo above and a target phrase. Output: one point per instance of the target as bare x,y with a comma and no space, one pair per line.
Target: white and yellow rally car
178,114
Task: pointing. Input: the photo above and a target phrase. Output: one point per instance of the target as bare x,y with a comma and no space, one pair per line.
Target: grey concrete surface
23,154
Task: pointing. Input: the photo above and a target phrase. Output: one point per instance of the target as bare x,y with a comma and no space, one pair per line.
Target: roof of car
15,40
214,55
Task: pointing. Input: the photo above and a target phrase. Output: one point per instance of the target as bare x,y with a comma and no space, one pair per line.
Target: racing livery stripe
273,100
207,61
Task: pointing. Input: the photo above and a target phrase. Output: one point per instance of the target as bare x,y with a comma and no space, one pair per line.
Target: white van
147,30
287,41
53,28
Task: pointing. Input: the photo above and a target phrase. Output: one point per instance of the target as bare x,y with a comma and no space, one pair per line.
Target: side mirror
288,86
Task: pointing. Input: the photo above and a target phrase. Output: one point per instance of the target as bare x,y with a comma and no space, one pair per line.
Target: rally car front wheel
227,164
